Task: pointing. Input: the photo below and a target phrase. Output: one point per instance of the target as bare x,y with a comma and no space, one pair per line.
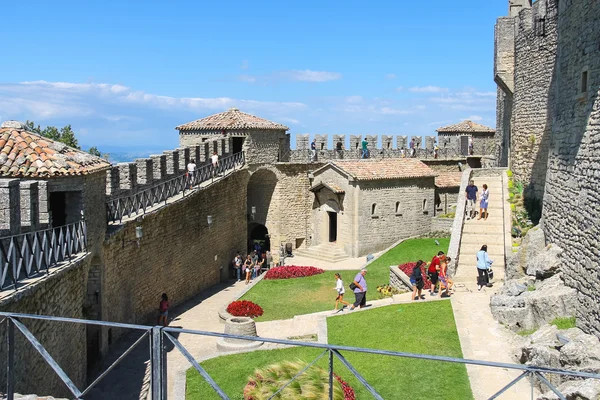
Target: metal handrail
139,202
30,254
158,334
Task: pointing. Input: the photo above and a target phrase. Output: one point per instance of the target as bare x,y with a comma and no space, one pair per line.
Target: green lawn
406,327
282,299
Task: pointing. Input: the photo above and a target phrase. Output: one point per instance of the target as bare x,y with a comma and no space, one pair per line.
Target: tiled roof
448,179
466,127
26,154
391,168
231,119
334,188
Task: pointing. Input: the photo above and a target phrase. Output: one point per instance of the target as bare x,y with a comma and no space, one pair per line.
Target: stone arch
92,310
260,190
260,233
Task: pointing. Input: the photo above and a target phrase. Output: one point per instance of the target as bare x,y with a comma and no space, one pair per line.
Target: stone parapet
29,205
184,158
127,176
159,167
10,216
172,162
145,171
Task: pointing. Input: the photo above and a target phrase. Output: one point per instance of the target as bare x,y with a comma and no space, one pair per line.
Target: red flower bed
244,308
348,391
408,268
292,271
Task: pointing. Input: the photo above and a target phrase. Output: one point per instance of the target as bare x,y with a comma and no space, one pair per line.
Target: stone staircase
328,252
476,233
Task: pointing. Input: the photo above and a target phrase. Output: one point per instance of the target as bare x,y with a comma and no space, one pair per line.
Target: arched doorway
258,234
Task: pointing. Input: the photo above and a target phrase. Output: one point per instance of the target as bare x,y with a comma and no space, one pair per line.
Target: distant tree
64,135
67,136
94,151
51,132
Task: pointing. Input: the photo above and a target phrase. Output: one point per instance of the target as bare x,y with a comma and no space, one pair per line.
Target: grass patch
530,288
527,332
405,327
564,322
285,298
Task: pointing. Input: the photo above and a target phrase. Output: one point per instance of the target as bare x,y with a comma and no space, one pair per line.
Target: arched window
398,208
424,205
373,209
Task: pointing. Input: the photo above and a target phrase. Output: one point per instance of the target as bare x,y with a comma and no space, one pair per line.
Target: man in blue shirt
471,195
313,150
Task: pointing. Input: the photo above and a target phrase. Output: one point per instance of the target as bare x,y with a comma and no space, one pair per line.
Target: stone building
364,206
548,72
447,185
261,140
457,137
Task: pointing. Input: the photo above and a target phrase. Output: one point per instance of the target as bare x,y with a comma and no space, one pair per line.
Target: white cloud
399,88
427,89
390,76
311,76
467,101
354,99
473,118
394,111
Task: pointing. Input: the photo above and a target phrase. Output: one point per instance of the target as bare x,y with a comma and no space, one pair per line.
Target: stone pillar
205,152
159,167
302,142
221,151
401,141
112,181
355,142
418,141
387,142
145,172
430,142
127,176
322,142
195,154
29,205
172,160
184,158
10,208
338,138
43,204
228,145
373,141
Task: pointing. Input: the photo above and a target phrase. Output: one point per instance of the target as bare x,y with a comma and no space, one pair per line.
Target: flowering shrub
387,290
292,271
348,391
408,268
244,308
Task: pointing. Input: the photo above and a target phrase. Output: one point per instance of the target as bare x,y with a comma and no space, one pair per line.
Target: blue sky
126,73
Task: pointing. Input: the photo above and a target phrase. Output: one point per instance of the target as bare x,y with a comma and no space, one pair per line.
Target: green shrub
564,322
510,184
527,332
509,173
513,208
449,215
530,288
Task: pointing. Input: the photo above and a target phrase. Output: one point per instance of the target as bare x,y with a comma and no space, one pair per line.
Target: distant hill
126,154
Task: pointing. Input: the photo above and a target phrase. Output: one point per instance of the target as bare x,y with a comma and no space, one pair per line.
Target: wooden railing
31,254
138,203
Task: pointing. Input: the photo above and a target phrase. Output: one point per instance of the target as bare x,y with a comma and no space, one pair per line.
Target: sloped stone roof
398,168
334,188
231,119
26,154
448,179
466,127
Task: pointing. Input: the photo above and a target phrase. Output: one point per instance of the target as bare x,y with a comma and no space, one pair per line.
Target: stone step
494,240
324,253
483,228
469,251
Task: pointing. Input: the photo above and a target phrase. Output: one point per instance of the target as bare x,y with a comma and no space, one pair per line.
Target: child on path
163,309
339,287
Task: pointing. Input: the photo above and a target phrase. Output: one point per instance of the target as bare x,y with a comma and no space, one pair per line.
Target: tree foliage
64,135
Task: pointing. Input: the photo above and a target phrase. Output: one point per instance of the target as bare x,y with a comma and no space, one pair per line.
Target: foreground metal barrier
157,337
137,203
31,254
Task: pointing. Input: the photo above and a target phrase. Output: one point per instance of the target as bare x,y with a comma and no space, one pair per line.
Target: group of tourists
472,195
251,266
437,272
358,287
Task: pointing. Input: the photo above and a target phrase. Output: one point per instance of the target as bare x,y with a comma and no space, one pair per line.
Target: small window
398,208
584,81
425,206
373,210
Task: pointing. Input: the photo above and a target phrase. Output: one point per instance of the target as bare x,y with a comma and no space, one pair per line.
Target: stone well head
244,326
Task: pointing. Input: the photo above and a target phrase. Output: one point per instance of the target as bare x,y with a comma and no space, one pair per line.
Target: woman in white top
339,288
191,170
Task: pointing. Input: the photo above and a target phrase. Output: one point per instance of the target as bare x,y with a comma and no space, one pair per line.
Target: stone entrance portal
332,226
258,233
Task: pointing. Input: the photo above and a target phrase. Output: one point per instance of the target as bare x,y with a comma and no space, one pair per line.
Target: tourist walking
444,279
163,309
471,151
411,146
483,265
471,196
215,162
191,171
433,271
237,265
269,259
339,147
359,286
339,288
365,149
313,150
403,152
258,265
416,280
248,268
483,203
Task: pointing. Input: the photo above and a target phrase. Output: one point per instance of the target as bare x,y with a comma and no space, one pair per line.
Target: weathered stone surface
546,263
515,287
588,389
530,309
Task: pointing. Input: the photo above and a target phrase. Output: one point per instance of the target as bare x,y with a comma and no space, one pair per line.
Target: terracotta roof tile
466,127
334,188
26,154
399,168
448,179
231,119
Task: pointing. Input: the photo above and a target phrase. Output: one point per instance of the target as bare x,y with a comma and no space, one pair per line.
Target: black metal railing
139,202
30,254
158,337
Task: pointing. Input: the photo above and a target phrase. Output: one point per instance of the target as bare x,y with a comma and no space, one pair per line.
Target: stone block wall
571,201
403,208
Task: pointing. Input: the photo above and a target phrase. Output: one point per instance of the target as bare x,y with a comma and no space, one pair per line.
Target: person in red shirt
433,271
163,308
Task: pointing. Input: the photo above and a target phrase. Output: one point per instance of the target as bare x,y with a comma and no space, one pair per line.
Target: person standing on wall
313,150
359,286
365,149
483,203
191,172
483,265
471,196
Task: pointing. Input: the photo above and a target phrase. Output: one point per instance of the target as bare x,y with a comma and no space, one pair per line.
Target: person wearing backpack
359,287
416,280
